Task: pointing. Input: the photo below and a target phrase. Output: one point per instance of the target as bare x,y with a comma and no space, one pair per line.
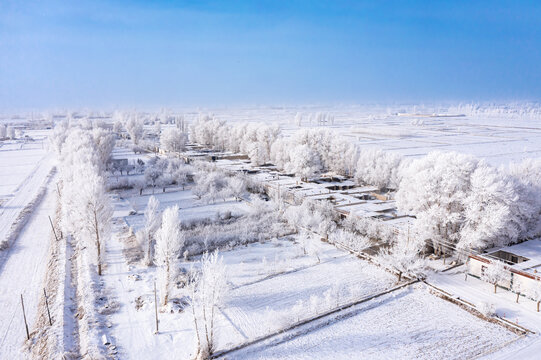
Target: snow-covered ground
19,159
190,208
523,313
407,324
22,272
267,280
23,171
268,305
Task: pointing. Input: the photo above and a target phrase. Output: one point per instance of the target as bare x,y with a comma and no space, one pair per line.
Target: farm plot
190,208
301,291
408,324
266,280
18,160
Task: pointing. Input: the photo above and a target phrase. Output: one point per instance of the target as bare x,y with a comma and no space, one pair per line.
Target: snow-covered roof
529,249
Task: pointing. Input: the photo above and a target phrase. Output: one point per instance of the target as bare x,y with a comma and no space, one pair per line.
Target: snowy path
23,196
24,269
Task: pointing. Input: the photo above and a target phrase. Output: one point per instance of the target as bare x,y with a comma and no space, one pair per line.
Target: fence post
47,305
25,323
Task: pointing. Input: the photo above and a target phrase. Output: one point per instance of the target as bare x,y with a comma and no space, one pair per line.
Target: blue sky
186,53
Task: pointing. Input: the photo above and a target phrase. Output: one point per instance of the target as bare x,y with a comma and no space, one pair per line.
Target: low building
522,260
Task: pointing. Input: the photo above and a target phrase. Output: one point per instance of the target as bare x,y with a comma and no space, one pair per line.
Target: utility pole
52,226
47,305
24,316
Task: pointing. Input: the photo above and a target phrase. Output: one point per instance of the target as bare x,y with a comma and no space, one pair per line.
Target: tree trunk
518,294
399,276
140,192
495,288
149,251
166,295
538,306
195,320
98,244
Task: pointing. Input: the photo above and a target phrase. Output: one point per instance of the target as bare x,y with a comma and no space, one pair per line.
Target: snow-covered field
189,209
267,279
263,306
407,324
19,159
495,137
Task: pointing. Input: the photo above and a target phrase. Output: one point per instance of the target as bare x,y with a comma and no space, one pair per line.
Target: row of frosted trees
86,208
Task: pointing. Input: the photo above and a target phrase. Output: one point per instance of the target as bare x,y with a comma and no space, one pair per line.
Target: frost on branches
495,273
404,258
462,203
169,243
86,208
147,235
173,140
208,288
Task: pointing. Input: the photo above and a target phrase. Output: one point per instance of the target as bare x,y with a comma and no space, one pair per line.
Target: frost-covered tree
93,211
157,127
210,186
495,273
58,137
527,177
434,189
377,167
118,127
304,162
534,292
489,219
152,225
104,143
349,239
178,172
298,119
404,258
172,139
237,187
208,289
10,132
77,158
139,184
169,243
134,127
155,168
318,217
280,152
3,132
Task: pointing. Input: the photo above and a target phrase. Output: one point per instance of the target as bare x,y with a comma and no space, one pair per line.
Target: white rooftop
530,249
